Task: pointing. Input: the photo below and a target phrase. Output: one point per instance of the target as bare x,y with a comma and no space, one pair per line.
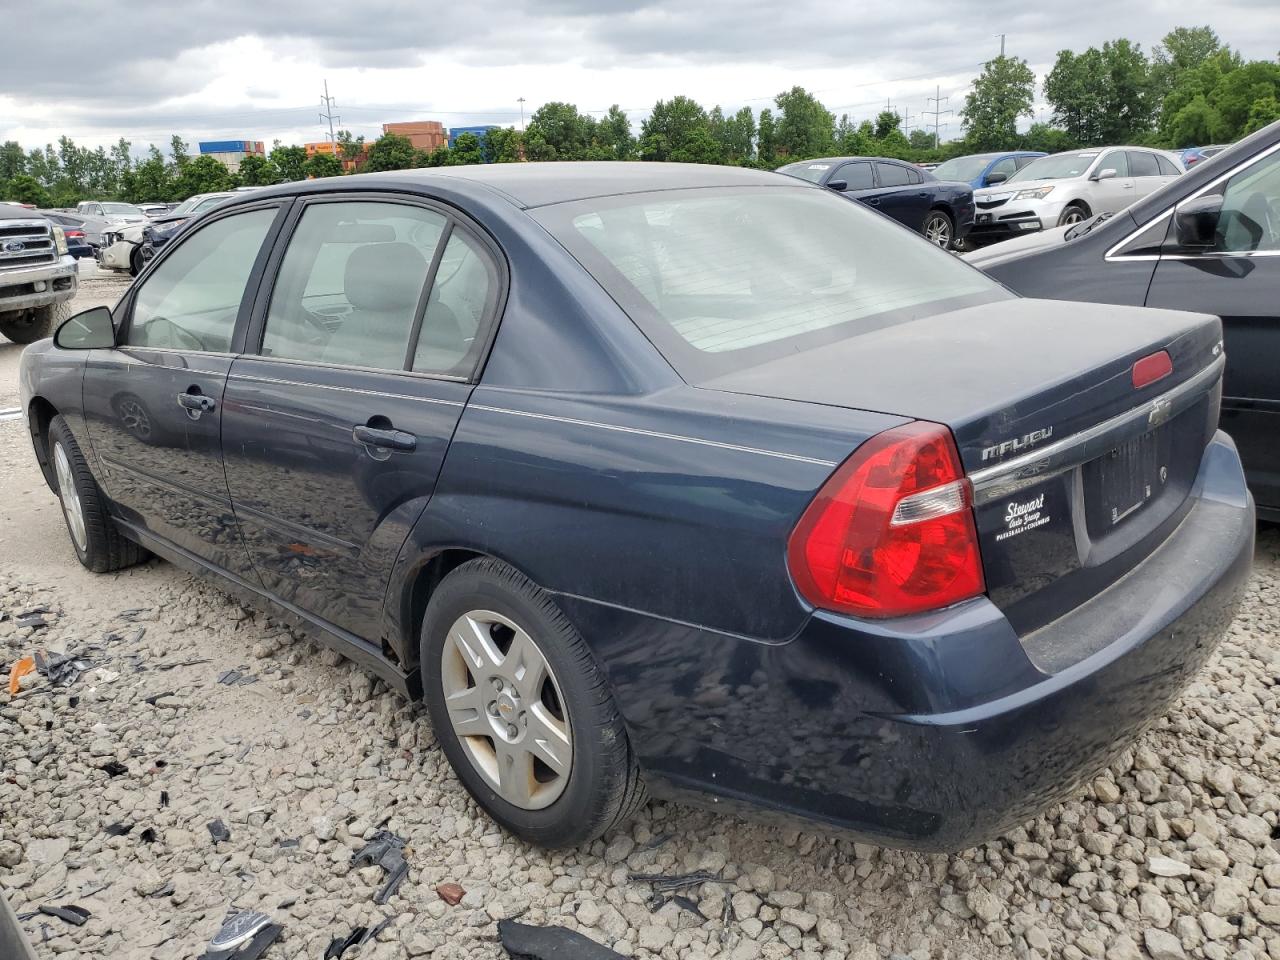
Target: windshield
121,209
723,279
811,170
1061,166
208,202
185,206
962,168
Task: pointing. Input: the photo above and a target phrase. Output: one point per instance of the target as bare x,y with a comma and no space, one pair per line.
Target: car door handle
873,201
388,439
196,402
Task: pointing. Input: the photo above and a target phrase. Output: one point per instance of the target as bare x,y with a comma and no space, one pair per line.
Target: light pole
520,100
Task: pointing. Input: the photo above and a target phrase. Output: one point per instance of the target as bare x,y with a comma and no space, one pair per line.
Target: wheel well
1082,205
419,594
40,414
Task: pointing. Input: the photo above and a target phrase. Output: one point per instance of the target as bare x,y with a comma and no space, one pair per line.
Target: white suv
1066,188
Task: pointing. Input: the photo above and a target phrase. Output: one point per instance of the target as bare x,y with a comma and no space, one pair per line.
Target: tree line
1191,90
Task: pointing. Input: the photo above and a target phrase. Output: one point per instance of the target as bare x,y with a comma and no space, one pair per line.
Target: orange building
426,135
328,147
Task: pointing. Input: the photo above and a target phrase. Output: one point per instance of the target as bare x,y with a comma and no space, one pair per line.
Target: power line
329,103
937,112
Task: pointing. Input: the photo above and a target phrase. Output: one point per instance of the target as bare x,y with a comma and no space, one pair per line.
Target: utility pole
936,113
329,103
906,124
520,100
1001,36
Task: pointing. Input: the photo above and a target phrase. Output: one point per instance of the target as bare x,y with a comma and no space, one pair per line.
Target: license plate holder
1118,484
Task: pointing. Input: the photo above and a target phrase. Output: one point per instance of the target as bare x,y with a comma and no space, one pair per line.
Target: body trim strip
332,386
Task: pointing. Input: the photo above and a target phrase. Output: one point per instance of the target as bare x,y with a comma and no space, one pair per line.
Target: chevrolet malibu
692,480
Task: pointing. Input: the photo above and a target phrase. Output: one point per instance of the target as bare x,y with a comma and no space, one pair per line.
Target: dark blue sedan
684,479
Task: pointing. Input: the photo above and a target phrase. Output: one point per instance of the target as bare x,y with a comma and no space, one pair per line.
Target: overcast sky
253,69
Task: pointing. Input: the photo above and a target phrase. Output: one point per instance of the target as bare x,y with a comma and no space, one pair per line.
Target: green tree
317,165
678,130
151,179
805,128
1102,96
1048,138
256,171
613,133
1235,95
1002,94
921,141
391,152
24,188
1182,50
502,145
563,131
887,121
288,163
766,140
349,147
1265,111
203,174
13,160
178,150
465,150
736,135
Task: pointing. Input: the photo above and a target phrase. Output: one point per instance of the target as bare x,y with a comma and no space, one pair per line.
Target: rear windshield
724,279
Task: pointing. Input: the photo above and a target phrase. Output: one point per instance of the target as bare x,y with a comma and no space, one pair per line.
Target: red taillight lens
74,233
891,532
1153,367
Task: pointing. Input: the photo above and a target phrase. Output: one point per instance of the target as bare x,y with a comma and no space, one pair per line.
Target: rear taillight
891,532
75,233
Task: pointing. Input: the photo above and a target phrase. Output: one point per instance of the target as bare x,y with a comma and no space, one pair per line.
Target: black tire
604,788
938,228
136,262
28,326
105,549
1073,213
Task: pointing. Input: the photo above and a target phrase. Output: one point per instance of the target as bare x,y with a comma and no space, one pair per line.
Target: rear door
154,404
1239,279
901,193
335,430
1144,166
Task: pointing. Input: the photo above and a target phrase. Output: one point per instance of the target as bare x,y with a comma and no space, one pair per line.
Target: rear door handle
388,439
874,201
196,402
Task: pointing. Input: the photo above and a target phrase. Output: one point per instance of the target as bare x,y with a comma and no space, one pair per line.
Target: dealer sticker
1023,515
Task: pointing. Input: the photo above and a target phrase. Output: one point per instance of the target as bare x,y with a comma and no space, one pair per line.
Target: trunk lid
1077,473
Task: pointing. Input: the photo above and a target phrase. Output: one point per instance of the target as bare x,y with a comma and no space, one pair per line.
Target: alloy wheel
1072,216
938,231
505,705
70,499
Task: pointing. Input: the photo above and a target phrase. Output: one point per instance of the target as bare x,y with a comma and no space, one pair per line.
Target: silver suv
37,275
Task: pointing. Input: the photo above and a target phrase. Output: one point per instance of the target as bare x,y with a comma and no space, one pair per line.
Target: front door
1239,279
1114,193
335,431
154,403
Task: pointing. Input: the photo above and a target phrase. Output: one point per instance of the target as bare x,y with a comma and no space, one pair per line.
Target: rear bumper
940,732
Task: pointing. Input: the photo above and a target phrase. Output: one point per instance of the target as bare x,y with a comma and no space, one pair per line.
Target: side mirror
1195,223
91,330
840,186
995,177
1106,174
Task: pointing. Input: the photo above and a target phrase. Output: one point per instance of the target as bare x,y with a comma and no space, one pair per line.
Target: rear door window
1167,166
1143,164
892,175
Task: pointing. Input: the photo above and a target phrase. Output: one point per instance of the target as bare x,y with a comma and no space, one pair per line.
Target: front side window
892,175
1250,219
1116,160
351,282
720,280
856,175
192,298
1008,166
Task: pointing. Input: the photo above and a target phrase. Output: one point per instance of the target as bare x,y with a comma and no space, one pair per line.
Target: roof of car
797,163
538,184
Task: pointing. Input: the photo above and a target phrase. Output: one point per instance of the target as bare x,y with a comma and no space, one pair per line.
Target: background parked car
100,217
131,246
985,169
78,244
1066,188
940,210
1193,155
154,210
38,277
1209,241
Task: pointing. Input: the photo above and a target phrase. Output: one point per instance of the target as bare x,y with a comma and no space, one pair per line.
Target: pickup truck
37,276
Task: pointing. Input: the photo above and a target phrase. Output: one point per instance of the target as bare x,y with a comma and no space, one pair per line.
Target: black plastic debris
229,676
525,942
356,938
73,701
118,829
32,617
114,769
69,912
218,830
61,669
246,936
286,844
164,798
157,696
664,883
387,851
181,663
148,835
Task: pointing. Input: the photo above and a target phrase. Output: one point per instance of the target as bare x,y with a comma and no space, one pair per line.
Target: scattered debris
69,912
450,893
525,942
357,937
233,677
218,830
245,936
182,663
290,842
663,883
164,798
114,769
148,835
684,903
157,696
20,670
61,669
33,618
387,851
117,829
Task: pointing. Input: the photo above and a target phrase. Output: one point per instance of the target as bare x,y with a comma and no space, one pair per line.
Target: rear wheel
1072,213
938,229
98,543
28,326
522,711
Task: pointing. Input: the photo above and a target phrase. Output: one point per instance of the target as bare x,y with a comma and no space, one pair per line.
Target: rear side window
723,279
462,297
1143,164
1167,166
892,175
856,175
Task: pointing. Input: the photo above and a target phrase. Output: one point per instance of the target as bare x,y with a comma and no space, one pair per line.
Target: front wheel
938,229
522,711
1072,214
28,326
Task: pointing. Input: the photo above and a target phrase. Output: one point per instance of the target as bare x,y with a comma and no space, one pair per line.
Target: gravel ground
1173,852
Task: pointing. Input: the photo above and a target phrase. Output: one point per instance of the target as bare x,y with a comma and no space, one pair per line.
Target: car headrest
384,276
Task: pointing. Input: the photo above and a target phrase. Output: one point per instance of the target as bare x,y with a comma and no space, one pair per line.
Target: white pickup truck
37,276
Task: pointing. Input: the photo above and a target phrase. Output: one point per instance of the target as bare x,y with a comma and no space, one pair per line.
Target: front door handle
387,439
196,402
